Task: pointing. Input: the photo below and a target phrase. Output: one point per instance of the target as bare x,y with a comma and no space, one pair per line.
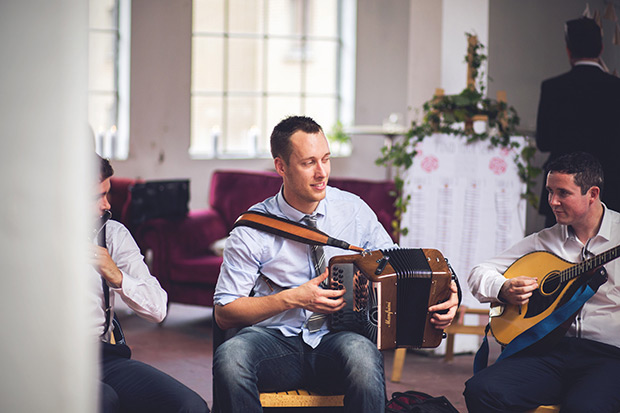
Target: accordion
388,293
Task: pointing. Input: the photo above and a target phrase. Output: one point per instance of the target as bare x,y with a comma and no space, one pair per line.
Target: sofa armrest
195,234
166,241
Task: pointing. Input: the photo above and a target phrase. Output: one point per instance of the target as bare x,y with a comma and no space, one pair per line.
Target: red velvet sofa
120,199
181,253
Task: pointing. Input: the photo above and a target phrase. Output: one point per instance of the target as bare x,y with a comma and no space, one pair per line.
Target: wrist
287,299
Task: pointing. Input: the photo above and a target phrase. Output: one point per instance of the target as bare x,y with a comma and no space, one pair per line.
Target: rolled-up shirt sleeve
486,279
240,268
139,290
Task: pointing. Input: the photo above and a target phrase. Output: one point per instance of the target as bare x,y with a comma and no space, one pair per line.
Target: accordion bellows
388,293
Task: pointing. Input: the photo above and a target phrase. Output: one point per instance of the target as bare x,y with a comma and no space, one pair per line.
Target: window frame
112,140
210,147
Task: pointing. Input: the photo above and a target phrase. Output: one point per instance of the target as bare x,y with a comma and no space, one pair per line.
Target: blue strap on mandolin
537,331
481,360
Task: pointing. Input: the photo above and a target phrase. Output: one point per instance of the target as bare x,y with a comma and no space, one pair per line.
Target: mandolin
558,280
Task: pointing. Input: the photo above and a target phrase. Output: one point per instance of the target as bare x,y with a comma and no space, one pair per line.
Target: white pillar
46,361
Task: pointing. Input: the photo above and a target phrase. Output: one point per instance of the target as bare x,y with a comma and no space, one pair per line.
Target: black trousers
132,386
581,375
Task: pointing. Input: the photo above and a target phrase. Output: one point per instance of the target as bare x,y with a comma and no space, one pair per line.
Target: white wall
405,49
460,17
424,57
160,93
46,362
526,46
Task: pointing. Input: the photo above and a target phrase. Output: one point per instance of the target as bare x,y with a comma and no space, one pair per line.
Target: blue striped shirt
248,253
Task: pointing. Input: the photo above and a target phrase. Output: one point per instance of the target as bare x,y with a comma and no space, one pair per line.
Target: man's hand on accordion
311,296
251,310
443,313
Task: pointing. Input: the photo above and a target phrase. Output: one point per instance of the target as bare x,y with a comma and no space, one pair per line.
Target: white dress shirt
599,319
139,289
249,253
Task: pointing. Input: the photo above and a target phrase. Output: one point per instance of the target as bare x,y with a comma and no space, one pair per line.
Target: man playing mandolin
581,370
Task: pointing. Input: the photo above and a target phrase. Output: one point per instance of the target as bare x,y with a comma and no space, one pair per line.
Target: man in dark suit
580,110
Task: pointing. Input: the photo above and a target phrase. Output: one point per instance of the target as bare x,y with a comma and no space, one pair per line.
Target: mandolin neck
590,264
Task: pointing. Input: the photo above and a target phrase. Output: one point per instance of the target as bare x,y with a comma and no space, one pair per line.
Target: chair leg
546,409
449,356
399,362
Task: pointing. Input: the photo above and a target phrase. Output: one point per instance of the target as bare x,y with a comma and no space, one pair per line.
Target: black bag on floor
418,402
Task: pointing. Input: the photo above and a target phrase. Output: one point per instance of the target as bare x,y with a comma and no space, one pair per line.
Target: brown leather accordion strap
291,230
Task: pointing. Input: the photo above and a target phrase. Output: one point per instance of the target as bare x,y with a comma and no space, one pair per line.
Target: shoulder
346,202
116,232
118,239
114,228
269,206
552,81
334,194
589,74
613,216
612,80
254,237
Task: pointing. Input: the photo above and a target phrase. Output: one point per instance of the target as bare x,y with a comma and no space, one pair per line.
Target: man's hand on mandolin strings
518,290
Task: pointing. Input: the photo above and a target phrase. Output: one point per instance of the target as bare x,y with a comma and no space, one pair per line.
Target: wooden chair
546,409
457,327
300,398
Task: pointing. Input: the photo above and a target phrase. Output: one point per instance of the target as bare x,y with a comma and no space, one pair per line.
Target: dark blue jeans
581,375
132,386
262,359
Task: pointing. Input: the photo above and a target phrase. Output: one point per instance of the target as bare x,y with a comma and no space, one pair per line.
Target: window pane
208,16
284,67
102,14
102,118
246,16
323,18
321,68
102,61
283,16
322,110
245,65
206,117
264,60
207,64
102,111
280,107
242,124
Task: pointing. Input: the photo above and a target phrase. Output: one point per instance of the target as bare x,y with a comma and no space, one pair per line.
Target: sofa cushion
203,270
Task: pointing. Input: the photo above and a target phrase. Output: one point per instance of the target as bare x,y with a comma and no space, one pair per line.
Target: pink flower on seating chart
505,151
430,163
497,165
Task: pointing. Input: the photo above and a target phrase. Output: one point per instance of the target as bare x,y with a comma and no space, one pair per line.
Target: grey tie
316,320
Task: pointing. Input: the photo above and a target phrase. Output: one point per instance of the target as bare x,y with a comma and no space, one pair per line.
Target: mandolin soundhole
551,283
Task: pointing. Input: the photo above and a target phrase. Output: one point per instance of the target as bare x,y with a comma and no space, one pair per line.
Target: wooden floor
181,346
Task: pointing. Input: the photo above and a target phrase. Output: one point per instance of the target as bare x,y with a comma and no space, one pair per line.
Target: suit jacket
580,111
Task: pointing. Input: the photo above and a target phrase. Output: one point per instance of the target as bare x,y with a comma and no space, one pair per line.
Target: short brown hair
281,135
105,168
583,38
585,168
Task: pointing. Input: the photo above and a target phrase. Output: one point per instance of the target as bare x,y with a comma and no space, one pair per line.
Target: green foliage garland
446,115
